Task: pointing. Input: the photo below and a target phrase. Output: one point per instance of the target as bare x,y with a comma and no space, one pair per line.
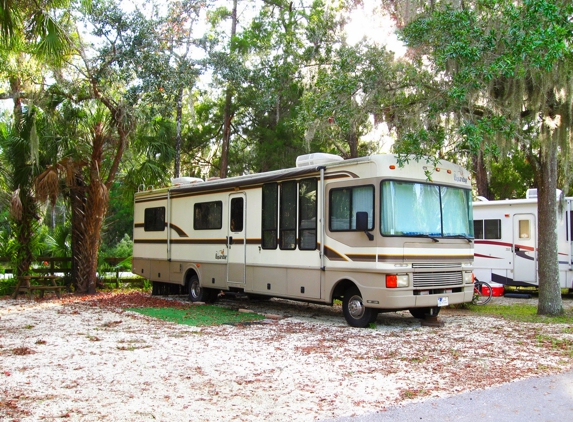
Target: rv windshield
420,209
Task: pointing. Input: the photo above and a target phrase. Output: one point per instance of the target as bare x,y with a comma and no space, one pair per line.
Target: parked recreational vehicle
378,236
506,241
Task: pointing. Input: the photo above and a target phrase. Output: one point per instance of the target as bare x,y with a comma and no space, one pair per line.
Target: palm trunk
94,201
24,229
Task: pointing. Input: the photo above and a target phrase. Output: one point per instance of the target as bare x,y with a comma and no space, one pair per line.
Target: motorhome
376,234
506,241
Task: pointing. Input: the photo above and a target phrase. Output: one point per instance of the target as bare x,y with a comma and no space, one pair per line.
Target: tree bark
23,227
550,302
77,200
480,172
228,116
177,169
95,200
353,144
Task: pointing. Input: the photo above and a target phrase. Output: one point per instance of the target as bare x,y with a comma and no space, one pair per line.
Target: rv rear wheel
421,313
197,293
355,313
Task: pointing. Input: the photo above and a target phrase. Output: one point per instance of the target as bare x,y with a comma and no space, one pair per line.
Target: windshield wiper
460,236
428,236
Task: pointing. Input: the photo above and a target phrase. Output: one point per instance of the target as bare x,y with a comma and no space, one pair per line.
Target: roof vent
316,159
532,193
178,181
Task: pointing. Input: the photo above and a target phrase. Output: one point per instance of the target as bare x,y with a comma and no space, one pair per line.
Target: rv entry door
525,248
236,238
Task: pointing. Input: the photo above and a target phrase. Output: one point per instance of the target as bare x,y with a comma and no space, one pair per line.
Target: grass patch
521,313
200,316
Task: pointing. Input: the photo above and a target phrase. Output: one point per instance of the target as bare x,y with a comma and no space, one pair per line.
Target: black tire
355,313
482,293
197,293
374,316
422,313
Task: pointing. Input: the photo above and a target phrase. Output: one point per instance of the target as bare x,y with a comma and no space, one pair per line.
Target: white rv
378,236
506,239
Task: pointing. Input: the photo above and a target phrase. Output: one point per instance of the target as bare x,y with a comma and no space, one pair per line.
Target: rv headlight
397,280
468,277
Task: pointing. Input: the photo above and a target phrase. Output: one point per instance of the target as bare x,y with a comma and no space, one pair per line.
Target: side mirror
362,223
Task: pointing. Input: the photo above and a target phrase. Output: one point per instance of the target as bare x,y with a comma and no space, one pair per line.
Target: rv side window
492,229
154,219
307,212
478,229
237,215
524,230
208,215
269,216
569,230
288,215
346,202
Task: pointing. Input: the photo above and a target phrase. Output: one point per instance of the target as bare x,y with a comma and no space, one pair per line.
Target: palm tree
19,145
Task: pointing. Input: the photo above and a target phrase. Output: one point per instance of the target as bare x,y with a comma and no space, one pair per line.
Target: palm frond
47,185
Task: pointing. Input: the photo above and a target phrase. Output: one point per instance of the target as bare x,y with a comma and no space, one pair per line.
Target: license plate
443,301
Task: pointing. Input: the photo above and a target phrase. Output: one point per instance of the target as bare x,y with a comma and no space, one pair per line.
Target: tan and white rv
376,235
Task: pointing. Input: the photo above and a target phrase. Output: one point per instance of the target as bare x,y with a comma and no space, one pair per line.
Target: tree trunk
25,233
95,197
353,144
77,200
23,227
226,135
228,116
480,174
177,170
550,302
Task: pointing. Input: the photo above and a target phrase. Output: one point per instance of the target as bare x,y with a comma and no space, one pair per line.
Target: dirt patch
87,359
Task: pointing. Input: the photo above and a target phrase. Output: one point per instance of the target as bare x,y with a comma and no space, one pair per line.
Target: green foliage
344,94
119,219
511,176
7,285
123,249
59,242
39,31
200,315
498,52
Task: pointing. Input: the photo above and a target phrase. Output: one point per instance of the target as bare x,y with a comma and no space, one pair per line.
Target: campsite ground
86,358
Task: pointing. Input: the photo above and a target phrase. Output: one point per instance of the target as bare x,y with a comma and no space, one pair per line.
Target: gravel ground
84,358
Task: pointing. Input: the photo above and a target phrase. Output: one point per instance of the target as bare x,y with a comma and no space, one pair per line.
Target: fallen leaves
300,369
22,351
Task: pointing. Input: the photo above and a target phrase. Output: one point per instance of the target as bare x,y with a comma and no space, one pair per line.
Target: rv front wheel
355,313
197,293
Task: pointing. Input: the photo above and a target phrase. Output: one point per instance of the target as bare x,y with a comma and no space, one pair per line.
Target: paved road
540,399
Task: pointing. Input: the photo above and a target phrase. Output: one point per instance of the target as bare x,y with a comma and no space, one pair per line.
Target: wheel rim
356,307
195,289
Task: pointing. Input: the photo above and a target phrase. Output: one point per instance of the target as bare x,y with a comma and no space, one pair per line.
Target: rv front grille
428,280
430,265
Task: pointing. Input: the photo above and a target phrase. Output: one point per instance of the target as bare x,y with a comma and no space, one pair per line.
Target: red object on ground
496,288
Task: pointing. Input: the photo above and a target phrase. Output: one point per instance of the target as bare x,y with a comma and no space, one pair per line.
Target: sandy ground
85,359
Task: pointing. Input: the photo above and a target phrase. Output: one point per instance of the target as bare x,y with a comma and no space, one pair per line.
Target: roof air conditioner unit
316,159
178,181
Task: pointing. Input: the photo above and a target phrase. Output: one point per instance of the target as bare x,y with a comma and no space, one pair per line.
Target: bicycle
482,292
